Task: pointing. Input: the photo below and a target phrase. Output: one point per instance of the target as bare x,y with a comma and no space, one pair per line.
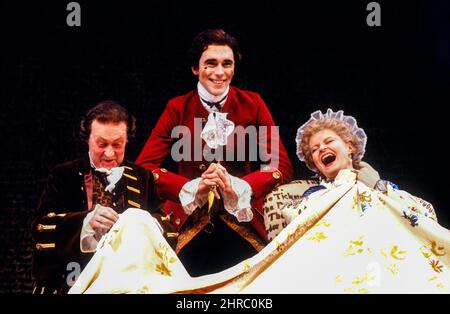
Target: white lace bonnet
330,114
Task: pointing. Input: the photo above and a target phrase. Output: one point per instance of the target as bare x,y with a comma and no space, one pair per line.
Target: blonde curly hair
342,129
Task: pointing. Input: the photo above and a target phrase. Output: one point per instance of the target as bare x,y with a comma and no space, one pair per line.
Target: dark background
300,56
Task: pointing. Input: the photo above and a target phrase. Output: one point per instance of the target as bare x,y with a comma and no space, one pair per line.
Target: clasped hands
217,177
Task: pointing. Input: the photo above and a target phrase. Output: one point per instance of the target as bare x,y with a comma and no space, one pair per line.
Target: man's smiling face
215,69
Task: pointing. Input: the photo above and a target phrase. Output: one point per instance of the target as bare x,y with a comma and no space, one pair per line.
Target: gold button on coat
276,175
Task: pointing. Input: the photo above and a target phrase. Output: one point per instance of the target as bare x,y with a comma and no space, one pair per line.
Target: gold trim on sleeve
45,246
130,177
132,189
41,227
52,214
134,204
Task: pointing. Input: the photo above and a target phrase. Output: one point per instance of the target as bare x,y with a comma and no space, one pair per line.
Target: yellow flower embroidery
364,197
163,267
318,236
425,251
435,265
363,291
361,279
437,250
393,268
433,249
322,222
338,279
356,247
395,253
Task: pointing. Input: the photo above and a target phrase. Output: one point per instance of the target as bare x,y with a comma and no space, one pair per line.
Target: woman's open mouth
327,159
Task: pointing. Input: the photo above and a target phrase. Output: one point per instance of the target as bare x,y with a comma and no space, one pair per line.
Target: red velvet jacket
244,108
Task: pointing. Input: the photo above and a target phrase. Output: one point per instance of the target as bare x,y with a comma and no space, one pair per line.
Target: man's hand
210,181
226,189
217,175
104,218
367,175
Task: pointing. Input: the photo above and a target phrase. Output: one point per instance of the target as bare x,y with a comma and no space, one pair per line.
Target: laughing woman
331,142
352,233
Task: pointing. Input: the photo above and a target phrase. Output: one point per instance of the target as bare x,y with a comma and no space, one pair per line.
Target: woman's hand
367,175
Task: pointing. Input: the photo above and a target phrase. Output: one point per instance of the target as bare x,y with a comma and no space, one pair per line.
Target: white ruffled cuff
188,196
241,209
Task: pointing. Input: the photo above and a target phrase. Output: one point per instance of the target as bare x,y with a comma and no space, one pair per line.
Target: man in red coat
216,122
